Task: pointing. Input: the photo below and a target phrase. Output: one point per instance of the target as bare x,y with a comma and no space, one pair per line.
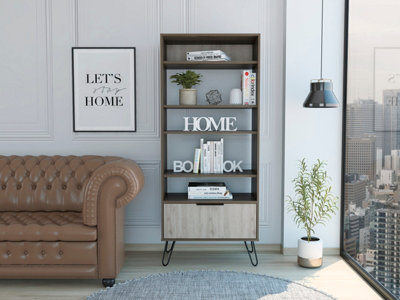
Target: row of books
249,87
209,158
209,55
208,190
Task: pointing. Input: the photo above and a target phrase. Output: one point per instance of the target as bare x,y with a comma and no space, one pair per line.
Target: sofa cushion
45,226
48,253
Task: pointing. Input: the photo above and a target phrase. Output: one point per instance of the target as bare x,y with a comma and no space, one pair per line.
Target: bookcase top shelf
210,64
202,106
245,173
216,38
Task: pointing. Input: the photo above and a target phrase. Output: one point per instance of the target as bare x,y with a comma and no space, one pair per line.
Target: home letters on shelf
209,124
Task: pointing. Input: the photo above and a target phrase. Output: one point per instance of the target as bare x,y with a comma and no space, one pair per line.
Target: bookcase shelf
180,198
211,132
210,65
245,173
222,106
210,219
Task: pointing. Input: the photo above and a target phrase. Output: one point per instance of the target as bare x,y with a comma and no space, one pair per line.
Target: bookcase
206,220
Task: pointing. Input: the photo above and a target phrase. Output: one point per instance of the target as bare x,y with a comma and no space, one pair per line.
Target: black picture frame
132,85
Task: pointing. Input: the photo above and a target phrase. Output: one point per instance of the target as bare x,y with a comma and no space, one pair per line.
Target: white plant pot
187,96
309,253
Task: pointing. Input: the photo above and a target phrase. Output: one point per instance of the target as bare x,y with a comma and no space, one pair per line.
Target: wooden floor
335,277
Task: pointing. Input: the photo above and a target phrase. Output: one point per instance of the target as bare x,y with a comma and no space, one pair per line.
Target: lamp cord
322,35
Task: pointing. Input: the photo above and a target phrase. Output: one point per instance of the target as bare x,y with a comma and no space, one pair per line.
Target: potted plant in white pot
188,79
313,204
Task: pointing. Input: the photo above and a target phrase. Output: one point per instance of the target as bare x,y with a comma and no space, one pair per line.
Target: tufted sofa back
46,183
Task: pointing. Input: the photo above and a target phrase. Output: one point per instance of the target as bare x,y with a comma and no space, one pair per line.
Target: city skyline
372,177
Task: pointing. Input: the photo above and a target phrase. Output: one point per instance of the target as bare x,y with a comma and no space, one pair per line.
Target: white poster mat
104,89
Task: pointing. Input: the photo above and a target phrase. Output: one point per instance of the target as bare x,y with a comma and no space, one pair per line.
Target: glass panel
371,228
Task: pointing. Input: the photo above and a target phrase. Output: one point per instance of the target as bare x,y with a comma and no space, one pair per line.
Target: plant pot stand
168,253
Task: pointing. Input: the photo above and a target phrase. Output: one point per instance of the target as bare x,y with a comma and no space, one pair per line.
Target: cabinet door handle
210,204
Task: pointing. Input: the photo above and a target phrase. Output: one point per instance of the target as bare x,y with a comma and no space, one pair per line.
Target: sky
374,26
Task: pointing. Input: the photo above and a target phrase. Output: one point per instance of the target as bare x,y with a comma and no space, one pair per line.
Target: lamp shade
321,95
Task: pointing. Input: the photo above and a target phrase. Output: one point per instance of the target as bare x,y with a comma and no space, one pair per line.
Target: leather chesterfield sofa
63,216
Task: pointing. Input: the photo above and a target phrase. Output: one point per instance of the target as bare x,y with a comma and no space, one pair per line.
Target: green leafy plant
186,79
314,202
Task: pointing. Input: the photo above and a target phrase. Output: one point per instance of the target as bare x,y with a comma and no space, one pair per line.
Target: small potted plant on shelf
313,204
188,79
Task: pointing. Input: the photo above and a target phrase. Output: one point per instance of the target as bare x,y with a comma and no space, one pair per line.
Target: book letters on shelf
208,159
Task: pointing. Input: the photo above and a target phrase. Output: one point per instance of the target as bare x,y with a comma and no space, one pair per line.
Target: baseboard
271,248
327,251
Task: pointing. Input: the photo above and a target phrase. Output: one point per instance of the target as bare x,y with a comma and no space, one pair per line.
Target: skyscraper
387,245
388,162
355,192
360,156
364,118
391,119
379,158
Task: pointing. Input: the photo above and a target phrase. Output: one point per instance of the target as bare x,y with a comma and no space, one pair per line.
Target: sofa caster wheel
108,282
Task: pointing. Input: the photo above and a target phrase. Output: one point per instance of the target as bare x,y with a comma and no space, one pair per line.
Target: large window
371,166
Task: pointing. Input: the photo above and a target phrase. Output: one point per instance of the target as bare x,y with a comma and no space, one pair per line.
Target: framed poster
104,92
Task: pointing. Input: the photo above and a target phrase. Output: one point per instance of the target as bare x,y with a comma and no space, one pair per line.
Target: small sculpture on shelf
213,97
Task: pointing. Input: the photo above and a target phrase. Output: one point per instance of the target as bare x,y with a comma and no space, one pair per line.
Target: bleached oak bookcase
209,220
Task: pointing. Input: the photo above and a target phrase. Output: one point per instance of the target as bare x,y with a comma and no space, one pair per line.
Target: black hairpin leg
167,251
252,251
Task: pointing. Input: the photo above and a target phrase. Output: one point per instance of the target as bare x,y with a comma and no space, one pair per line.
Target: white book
228,196
196,160
219,187
211,155
207,158
216,152
207,55
246,86
207,58
215,162
205,171
253,93
216,189
207,193
202,52
201,156
222,155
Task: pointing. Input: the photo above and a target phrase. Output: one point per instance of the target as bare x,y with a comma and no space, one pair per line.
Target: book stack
209,55
208,190
249,87
209,158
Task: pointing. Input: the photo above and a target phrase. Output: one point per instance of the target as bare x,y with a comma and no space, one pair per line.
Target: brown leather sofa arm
125,169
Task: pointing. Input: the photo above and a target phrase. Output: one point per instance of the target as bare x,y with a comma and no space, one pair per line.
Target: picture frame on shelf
104,89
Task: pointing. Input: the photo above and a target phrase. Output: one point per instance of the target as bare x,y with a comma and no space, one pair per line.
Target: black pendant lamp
321,90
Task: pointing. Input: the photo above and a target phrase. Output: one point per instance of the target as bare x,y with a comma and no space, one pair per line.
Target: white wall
36,97
312,133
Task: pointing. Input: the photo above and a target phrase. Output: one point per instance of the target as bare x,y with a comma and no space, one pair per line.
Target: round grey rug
208,285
